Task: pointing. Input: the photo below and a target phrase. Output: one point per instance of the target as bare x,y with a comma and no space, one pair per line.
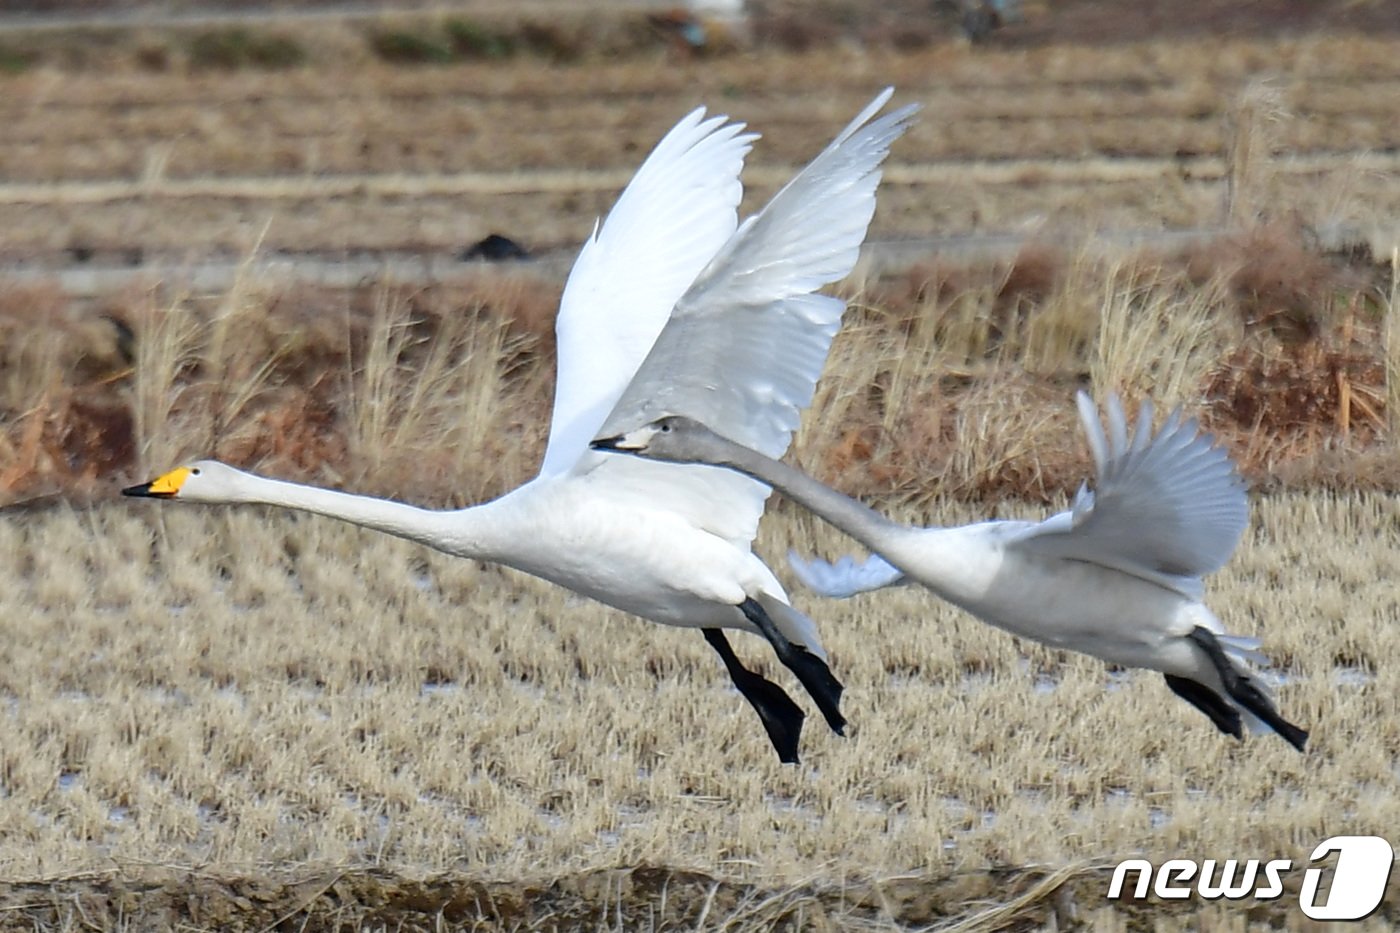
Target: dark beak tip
606,443
141,489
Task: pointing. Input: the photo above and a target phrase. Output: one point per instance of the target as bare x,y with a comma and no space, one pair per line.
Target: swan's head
674,438
201,481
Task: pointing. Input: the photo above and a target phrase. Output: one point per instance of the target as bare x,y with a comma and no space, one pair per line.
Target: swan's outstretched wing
844,578
668,223
746,343
1169,505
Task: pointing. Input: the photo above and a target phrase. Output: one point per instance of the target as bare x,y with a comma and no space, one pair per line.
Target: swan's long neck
448,531
955,563
859,521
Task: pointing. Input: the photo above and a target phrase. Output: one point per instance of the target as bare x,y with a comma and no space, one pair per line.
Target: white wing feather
746,343
1169,506
845,578
744,347
668,223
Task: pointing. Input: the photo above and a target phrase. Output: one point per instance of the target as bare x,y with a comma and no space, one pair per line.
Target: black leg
1243,691
810,669
1225,716
781,717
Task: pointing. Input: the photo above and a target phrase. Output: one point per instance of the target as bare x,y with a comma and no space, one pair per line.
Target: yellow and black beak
166,486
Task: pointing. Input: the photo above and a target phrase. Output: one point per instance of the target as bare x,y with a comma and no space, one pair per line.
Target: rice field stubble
246,719
348,156
264,714
244,692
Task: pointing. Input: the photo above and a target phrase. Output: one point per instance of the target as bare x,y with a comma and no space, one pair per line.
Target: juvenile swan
1118,576
669,297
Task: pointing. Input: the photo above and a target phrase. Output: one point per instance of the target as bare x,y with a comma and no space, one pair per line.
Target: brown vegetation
225,719
283,33
367,156
952,379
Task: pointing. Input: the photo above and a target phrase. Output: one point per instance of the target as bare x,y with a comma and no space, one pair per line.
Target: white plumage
1118,576
668,299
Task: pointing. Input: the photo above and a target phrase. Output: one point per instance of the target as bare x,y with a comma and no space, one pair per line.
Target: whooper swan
669,299
1118,576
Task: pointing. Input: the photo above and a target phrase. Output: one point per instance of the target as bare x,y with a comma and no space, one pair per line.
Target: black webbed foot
781,717
811,670
1225,716
1244,692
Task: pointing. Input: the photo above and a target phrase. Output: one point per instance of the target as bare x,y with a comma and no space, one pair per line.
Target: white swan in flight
669,299
1118,576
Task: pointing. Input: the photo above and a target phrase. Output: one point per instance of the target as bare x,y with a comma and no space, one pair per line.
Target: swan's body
602,542
1118,576
668,299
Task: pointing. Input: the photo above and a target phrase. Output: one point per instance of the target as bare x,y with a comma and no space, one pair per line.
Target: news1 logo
1358,879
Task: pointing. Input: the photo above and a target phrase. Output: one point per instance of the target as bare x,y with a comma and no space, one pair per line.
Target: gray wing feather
1168,505
746,343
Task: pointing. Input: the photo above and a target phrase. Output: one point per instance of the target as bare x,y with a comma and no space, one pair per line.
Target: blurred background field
238,230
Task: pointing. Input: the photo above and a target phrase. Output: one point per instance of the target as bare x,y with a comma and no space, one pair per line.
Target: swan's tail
844,578
1244,649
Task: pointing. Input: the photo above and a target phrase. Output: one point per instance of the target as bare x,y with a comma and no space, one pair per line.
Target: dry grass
951,379
351,155
1284,344
248,719
361,388
212,699
955,379
225,690
440,33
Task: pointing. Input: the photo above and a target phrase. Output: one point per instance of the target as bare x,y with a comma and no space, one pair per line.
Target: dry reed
245,718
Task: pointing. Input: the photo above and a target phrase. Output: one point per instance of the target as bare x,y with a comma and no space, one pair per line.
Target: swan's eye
195,471
665,429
